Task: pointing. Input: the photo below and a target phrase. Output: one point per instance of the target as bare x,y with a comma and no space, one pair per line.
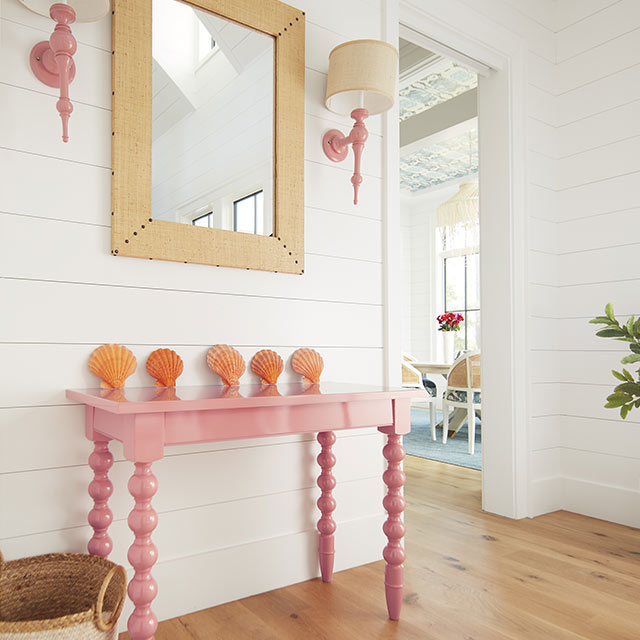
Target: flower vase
448,339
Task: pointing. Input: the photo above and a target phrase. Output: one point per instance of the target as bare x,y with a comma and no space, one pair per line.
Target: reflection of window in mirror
204,220
248,213
213,119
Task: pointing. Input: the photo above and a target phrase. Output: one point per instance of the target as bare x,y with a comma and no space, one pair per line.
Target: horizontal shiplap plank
574,334
607,127
582,300
64,251
600,265
600,95
581,400
55,367
546,463
614,194
186,481
570,12
603,163
543,268
600,61
581,367
601,468
542,235
199,529
614,21
41,133
88,313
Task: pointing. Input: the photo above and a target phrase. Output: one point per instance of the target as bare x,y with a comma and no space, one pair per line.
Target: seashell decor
165,365
227,363
113,364
268,365
308,363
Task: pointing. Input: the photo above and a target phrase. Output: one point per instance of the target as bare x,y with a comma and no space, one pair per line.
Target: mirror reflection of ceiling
427,80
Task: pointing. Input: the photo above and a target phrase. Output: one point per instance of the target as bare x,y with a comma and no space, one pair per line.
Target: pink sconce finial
52,60
361,82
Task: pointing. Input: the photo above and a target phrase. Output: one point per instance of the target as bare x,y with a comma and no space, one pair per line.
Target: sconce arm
335,146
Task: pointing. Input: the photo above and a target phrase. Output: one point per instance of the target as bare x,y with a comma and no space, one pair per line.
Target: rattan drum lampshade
361,82
362,74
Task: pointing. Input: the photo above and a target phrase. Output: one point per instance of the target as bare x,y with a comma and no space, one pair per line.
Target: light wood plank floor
469,576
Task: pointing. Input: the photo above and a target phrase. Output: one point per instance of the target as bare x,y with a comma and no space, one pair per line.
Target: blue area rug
419,442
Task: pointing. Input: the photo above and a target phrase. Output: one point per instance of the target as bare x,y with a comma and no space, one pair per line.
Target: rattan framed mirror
135,231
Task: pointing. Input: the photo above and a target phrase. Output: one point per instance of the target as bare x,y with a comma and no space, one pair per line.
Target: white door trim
503,261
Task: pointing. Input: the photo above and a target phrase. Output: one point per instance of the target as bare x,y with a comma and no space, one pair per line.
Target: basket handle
99,622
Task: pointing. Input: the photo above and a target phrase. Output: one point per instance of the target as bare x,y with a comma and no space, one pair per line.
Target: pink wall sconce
52,60
361,83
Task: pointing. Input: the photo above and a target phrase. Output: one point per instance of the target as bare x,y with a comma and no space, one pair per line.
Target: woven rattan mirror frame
134,233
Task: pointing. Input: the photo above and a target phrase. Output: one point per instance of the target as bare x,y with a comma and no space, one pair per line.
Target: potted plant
626,395
448,323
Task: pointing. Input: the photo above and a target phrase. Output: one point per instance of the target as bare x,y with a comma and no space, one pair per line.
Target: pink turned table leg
326,504
142,554
100,489
394,527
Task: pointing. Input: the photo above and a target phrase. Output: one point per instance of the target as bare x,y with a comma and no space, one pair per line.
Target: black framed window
461,276
204,220
248,213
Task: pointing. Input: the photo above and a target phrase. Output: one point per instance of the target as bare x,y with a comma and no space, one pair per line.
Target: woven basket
60,596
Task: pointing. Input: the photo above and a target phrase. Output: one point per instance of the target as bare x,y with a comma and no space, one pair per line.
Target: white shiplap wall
590,257
235,518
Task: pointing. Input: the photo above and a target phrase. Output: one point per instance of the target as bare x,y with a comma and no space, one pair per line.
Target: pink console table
146,420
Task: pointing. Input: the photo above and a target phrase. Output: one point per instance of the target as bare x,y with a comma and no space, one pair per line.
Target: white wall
585,254
235,518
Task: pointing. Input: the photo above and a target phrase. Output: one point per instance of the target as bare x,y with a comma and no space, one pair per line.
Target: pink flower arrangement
449,321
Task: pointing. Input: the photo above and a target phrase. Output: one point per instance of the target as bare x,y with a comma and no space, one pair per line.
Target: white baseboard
593,499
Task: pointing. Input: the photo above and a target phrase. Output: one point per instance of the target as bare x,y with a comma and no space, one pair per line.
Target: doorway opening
440,230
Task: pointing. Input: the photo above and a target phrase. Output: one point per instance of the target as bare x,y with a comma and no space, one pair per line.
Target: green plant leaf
620,376
634,357
624,410
616,400
637,404
627,375
610,333
635,348
608,311
632,388
600,320
636,328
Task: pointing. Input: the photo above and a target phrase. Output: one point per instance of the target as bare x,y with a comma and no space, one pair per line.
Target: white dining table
458,416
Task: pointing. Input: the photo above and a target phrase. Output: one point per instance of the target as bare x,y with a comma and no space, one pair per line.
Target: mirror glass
213,121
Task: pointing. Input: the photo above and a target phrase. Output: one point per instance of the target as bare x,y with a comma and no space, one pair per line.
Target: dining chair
411,377
463,391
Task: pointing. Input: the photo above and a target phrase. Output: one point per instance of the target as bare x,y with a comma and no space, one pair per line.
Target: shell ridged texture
268,365
308,363
165,365
113,364
227,363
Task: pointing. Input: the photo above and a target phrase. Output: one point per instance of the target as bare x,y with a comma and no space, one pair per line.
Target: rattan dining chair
463,390
411,377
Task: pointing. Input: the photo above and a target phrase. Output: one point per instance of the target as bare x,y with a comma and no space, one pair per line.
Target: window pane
473,281
259,198
472,321
454,282
244,212
203,221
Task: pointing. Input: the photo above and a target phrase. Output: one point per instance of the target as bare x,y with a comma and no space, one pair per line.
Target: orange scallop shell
308,363
268,365
165,365
227,363
268,390
165,394
113,364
